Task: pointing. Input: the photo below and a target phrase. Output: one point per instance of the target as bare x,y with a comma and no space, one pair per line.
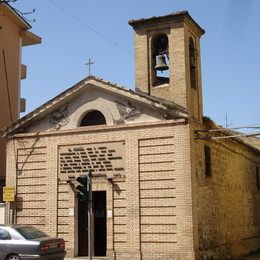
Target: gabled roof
170,108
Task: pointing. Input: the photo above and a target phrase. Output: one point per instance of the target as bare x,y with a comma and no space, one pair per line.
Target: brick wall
179,88
228,201
151,202
163,206
157,195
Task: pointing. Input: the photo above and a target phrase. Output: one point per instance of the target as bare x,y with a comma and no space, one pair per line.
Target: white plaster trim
78,115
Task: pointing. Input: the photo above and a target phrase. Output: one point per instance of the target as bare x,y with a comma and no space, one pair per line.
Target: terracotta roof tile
139,23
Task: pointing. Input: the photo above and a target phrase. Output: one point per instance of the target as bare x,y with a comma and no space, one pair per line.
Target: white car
18,242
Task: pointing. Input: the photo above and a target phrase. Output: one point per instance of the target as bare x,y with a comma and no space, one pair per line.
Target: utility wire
11,117
230,129
90,28
234,136
228,136
7,89
9,104
7,1
23,15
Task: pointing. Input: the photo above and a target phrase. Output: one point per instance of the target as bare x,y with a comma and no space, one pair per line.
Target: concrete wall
10,44
13,31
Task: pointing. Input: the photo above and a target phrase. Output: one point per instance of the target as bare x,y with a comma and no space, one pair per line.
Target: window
93,118
207,153
193,63
160,56
31,232
4,235
257,178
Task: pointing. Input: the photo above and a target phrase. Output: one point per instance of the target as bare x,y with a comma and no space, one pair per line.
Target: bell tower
167,59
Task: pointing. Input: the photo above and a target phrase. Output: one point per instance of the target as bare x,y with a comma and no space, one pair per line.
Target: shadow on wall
2,213
19,204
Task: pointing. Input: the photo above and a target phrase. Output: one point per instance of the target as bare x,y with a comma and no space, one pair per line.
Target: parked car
19,242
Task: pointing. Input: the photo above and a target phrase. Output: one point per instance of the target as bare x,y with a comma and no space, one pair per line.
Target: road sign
9,193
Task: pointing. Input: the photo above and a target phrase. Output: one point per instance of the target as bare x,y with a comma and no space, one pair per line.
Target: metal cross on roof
89,63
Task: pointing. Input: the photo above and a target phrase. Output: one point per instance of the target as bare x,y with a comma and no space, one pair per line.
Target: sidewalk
84,258
255,256
252,257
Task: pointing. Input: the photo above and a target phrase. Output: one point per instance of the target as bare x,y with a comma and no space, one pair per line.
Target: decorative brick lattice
100,158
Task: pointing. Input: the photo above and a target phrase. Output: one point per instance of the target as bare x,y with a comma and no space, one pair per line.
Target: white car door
5,242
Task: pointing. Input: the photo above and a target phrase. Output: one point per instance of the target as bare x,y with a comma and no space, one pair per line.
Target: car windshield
30,232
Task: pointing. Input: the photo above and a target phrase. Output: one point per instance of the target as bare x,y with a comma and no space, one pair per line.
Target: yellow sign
9,193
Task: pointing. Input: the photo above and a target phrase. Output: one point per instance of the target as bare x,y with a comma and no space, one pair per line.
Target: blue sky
71,30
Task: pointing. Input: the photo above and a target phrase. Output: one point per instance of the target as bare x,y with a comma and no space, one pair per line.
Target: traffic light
83,188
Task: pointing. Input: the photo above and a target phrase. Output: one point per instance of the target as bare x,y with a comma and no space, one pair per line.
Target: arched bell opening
160,59
94,117
193,63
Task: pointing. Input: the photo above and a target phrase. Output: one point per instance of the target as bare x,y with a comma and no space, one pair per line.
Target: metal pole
89,62
90,216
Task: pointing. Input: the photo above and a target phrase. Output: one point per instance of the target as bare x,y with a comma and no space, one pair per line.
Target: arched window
93,118
193,63
160,62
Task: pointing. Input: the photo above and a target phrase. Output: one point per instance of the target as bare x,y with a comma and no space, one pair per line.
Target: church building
168,183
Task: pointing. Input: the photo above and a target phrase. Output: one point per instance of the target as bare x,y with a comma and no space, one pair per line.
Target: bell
161,63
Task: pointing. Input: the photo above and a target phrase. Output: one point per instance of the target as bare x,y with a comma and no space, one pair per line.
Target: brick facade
151,202
228,201
163,206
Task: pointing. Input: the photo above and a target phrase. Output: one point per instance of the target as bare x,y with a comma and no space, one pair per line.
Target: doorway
99,225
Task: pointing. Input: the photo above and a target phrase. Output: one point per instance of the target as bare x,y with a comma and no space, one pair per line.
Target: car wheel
13,257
